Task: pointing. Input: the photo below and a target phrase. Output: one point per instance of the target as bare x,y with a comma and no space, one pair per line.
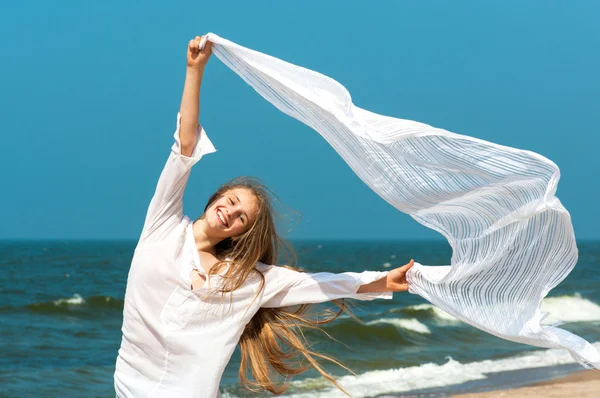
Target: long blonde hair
273,343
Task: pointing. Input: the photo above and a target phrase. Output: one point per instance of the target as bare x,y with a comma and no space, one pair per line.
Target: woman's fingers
193,46
400,286
408,266
196,56
397,277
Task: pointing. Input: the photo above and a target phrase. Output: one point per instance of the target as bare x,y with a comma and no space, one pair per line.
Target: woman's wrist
195,70
193,76
378,286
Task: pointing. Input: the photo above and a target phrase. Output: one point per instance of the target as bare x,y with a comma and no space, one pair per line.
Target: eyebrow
245,215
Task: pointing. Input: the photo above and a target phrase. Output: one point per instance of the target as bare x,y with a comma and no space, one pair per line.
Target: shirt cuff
203,144
368,277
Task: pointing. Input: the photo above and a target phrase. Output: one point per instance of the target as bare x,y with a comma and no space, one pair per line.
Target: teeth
221,217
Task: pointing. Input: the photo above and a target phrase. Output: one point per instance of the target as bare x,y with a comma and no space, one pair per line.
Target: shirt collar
191,241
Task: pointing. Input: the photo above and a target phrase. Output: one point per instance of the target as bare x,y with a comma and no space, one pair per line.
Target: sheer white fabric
512,239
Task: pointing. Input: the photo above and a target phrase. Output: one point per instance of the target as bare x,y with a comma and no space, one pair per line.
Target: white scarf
512,239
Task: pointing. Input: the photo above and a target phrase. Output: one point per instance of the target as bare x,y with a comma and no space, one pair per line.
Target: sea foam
570,309
428,375
408,324
438,313
560,309
75,300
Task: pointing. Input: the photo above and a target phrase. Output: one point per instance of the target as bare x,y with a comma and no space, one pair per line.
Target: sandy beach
581,384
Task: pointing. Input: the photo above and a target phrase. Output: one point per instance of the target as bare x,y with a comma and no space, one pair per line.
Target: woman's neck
204,242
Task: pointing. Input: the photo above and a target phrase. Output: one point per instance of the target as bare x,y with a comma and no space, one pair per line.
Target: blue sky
90,90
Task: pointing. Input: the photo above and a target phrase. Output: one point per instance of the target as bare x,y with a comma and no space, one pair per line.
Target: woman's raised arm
190,100
165,212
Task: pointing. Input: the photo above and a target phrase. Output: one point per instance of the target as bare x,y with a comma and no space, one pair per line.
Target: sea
61,305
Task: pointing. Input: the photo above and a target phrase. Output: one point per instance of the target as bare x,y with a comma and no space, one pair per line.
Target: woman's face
232,214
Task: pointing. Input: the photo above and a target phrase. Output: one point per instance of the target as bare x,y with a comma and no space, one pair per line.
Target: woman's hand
395,280
197,58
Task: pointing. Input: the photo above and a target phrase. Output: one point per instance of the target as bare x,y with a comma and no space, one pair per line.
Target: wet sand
584,384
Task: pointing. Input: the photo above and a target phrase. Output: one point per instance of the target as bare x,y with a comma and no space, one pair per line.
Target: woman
197,289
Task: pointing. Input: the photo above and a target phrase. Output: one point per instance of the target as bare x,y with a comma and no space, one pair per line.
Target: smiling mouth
221,218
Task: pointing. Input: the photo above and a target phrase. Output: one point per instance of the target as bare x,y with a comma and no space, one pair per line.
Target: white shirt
177,341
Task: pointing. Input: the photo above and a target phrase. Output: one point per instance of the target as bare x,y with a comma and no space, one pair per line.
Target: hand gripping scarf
512,240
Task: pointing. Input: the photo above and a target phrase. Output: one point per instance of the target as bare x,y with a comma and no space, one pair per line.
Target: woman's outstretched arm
285,287
190,100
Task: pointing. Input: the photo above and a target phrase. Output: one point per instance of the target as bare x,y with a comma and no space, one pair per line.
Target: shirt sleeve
285,287
166,207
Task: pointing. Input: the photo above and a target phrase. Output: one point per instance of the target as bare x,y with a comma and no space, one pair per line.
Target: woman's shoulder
272,270
261,267
275,270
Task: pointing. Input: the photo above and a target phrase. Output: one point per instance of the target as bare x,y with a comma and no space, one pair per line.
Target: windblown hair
273,344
